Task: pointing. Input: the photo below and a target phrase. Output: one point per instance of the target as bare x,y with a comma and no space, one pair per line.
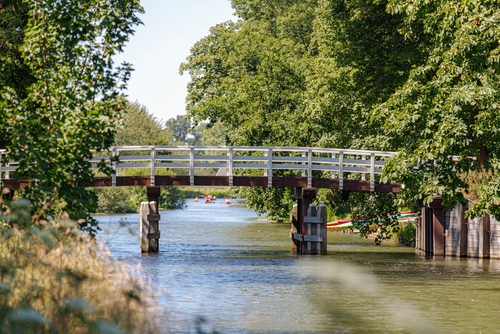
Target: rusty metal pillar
438,234
464,230
486,238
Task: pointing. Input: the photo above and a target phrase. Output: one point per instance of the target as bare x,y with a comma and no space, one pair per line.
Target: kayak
407,216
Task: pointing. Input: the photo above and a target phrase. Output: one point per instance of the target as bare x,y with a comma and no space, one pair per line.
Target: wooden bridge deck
317,167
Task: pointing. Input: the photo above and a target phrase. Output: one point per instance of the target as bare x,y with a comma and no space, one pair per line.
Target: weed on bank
54,279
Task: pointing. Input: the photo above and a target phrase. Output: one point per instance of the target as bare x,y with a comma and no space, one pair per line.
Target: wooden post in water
431,230
315,236
300,224
438,226
150,218
296,221
294,227
308,196
464,230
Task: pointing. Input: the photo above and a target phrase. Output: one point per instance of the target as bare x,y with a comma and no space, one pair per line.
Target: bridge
303,168
439,232
344,169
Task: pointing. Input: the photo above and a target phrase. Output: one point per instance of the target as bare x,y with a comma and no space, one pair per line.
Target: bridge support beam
150,219
308,228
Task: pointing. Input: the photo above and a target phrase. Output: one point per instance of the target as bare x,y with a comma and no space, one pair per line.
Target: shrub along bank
128,199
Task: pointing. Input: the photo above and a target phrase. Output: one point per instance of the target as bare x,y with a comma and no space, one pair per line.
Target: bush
407,234
128,199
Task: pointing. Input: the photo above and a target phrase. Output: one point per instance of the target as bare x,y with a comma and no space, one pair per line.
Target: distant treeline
128,199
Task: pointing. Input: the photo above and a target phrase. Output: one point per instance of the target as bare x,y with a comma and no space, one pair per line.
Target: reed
54,279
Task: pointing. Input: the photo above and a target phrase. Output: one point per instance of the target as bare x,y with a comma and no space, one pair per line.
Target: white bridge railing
231,159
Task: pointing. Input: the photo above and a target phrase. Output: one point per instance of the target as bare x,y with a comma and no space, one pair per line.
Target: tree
214,135
360,58
14,72
139,127
449,104
299,73
73,101
247,75
178,128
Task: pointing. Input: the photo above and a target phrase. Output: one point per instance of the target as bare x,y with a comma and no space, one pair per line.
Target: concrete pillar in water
150,218
150,232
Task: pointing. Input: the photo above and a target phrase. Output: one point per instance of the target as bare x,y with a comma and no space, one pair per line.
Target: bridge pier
430,232
308,228
150,218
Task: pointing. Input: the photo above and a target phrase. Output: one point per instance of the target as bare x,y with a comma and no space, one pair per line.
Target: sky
161,44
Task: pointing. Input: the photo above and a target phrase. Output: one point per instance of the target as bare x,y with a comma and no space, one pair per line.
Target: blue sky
171,27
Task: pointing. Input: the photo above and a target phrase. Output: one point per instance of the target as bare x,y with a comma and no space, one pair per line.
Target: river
223,269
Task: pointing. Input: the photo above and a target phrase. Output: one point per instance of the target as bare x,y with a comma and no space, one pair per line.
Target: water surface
222,268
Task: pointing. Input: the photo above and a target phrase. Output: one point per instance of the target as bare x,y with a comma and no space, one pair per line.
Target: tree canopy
449,105
139,127
61,94
416,77
299,73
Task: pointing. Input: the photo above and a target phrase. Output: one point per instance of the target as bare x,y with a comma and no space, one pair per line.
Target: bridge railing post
191,166
114,167
270,167
303,174
153,166
309,167
363,175
1,164
341,170
230,166
372,172
333,174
